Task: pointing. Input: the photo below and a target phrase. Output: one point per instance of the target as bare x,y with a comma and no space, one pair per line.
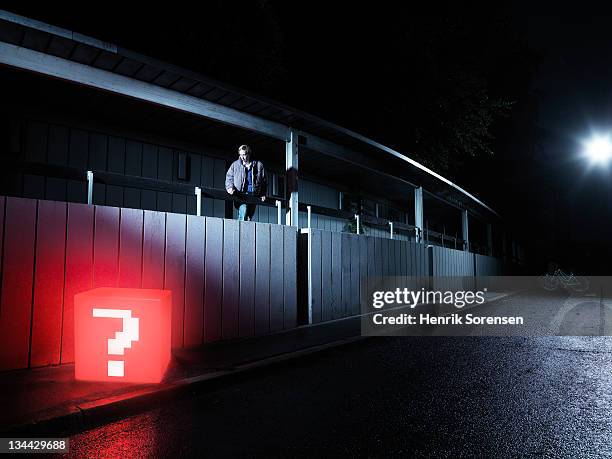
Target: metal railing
130,181
443,240
92,177
361,219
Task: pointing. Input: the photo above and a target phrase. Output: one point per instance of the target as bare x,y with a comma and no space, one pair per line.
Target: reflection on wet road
442,396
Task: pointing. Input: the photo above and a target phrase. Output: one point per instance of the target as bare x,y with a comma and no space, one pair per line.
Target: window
278,185
183,166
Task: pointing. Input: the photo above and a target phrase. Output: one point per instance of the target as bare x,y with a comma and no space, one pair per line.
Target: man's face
244,156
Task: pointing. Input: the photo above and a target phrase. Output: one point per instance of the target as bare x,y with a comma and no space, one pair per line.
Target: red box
122,334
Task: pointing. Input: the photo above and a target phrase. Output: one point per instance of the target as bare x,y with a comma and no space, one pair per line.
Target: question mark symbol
123,339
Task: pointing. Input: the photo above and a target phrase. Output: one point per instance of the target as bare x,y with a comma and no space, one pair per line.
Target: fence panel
193,330
246,311
290,313
341,266
213,279
262,278
231,279
130,248
79,269
18,268
48,284
276,278
174,278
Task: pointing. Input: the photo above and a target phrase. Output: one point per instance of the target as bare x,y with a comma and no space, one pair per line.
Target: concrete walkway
50,401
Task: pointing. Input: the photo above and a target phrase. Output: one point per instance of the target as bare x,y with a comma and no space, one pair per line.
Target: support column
464,225
418,213
490,238
291,179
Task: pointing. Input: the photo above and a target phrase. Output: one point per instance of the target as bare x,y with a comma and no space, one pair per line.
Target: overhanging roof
33,45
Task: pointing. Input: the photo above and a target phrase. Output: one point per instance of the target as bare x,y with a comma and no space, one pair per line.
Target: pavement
418,396
50,401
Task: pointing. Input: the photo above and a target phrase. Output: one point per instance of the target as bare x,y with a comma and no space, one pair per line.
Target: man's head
244,153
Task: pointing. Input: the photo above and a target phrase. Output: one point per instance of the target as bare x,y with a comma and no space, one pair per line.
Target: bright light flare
599,149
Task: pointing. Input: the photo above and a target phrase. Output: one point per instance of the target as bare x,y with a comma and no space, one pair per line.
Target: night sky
574,91
574,75
378,70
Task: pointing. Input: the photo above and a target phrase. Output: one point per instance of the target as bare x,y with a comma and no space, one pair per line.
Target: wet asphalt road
428,396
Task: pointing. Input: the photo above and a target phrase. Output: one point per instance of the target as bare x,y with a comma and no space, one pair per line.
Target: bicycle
559,278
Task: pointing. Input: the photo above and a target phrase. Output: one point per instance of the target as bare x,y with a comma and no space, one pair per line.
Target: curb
74,418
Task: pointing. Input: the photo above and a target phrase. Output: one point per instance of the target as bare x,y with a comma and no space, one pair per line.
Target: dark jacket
237,176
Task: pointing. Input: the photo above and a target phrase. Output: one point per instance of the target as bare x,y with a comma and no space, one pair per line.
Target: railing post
90,179
418,212
278,211
309,210
358,224
291,179
198,193
391,228
464,224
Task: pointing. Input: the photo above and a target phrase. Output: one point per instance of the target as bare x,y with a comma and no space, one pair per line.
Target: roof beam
34,61
350,156
340,152
370,163
414,163
53,30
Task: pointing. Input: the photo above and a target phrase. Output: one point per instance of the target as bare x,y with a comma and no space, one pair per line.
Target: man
247,176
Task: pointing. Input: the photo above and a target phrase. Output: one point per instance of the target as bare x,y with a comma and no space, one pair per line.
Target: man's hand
263,198
231,190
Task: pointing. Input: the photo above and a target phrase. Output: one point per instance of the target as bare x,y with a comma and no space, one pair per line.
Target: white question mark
123,339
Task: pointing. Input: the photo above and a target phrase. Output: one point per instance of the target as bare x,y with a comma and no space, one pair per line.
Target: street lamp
598,149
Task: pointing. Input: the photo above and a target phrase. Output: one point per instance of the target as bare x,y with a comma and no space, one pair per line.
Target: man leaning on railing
246,176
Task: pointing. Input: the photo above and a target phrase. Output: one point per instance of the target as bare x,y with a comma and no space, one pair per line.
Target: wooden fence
228,279
335,267
488,266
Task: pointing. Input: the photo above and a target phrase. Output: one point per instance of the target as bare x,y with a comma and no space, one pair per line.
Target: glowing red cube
122,334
